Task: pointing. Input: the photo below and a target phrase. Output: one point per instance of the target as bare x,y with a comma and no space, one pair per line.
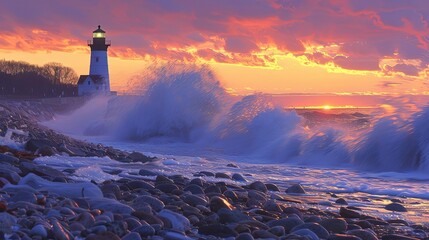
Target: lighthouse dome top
99,33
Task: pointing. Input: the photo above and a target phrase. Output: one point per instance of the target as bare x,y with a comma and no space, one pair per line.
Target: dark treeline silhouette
24,79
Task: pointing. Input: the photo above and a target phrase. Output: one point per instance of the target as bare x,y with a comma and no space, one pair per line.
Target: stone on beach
397,207
178,222
296,189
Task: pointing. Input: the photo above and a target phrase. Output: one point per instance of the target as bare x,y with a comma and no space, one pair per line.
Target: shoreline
44,203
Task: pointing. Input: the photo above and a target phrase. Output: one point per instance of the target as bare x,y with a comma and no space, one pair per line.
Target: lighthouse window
96,59
89,82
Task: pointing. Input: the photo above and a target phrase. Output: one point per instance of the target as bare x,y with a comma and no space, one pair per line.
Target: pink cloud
365,31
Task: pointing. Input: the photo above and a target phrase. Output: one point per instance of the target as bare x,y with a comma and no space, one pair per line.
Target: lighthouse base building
97,82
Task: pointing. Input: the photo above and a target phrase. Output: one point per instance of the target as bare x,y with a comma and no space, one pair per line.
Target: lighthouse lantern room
97,82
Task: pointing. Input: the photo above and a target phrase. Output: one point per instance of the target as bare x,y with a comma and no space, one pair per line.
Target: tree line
18,78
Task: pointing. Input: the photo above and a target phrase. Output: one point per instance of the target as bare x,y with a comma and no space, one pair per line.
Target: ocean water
183,116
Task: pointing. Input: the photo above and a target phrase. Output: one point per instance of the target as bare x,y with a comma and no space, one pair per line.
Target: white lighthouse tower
97,82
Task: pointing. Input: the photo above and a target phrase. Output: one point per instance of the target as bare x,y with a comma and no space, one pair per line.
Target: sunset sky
274,46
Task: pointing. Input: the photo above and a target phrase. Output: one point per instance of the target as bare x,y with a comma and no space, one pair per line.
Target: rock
258,186
149,218
244,236
24,196
212,189
341,201
139,157
398,221
3,206
287,223
10,175
111,189
397,237
353,227
232,165
335,225
263,234
6,158
272,206
258,196
194,189
86,219
363,234
277,230
238,177
59,232
167,187
217,230
110,205
296,189
131,236
76,226
145,231
293,210
194,200
178,221
132,222
39,230
33,144
313,218
316,228
343,237
232,216
306,233
144,172
208,174
136,184
103,236
155,203
217,203
396,207
222,175
198,181
348,213
170,235
272,187
7,221
117,227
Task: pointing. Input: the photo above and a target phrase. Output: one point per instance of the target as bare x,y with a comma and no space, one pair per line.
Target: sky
345,47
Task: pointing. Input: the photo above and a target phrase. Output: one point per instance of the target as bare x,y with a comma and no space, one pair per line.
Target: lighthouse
97,82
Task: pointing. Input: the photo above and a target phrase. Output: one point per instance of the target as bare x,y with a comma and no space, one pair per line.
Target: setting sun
327,107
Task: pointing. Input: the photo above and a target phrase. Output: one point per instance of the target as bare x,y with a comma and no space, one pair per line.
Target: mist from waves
187,104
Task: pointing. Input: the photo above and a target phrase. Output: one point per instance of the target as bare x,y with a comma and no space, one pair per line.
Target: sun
327,107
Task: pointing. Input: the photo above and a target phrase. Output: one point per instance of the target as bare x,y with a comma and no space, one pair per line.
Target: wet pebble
217,230
217,203
259,186
335,225
145,231
396,207
238,177
296,189
341,201
39,230
177,221
316,228
131,236
349,213
154,203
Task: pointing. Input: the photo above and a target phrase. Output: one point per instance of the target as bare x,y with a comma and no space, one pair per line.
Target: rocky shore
39,202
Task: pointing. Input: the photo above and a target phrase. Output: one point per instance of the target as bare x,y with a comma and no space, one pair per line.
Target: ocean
367,155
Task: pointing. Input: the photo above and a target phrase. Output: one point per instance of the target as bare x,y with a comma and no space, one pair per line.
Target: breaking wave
186,103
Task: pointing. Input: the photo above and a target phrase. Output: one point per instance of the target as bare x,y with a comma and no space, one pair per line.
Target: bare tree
59,73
